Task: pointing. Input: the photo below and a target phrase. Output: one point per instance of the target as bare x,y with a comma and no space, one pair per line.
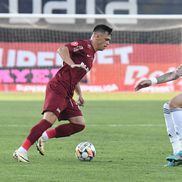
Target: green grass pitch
127,129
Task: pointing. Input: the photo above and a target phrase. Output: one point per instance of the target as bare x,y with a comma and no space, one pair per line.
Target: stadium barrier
142,46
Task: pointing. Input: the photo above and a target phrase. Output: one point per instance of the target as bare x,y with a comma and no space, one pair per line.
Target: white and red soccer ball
85,151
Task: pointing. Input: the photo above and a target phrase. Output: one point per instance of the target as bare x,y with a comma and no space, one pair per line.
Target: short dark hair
102,28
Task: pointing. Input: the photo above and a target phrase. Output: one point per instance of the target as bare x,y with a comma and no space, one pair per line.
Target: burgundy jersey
67,77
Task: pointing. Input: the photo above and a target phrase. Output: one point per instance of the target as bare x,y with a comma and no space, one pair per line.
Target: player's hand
82,65
80,101
143,84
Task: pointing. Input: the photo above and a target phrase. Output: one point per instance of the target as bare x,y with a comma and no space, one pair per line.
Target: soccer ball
85,151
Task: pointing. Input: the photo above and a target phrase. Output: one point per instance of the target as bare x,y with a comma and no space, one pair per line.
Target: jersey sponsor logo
75,49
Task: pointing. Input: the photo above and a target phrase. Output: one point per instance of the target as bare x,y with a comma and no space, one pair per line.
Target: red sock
26,144
51,133
35,133
68,129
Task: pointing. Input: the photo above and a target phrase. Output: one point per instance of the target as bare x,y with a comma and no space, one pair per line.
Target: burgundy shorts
63,107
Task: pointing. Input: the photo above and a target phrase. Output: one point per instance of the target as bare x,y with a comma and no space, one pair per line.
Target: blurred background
146,42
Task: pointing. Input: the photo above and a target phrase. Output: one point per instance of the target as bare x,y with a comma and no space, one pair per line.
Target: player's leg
46,122
53,102
73,114
170,129
176,112
76,124
171,133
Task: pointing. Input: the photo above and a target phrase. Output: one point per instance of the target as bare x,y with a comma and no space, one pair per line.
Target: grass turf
127,130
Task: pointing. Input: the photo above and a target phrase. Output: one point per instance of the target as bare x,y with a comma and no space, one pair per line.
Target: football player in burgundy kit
59,104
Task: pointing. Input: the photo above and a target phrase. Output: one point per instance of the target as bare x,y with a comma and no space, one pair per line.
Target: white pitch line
91,125
127,125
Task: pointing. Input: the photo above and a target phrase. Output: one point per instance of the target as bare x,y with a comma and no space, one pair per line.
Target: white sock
44,136
22,150
177,119
170,129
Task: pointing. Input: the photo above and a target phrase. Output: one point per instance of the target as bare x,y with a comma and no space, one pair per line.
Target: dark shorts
58,103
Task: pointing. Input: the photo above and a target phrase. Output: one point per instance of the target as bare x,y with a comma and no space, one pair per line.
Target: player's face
103,40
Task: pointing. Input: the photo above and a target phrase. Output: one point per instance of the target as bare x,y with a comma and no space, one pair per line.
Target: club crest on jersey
74,43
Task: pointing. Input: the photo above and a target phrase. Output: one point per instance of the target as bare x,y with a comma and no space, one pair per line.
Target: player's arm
161,79
81,101
167,77
65,55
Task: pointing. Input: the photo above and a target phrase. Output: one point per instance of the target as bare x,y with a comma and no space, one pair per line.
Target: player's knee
173,104
50,117
77,120
176,102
